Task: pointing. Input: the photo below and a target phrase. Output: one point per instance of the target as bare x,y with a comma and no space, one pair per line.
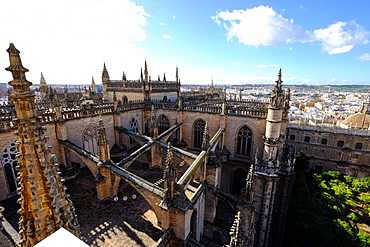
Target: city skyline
234,42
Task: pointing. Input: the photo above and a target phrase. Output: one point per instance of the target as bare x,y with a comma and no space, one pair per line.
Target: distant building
343,146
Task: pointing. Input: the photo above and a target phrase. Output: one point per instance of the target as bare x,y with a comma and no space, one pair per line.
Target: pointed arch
90,139
163,124
9,162
124,99
244,142
133,126
198,129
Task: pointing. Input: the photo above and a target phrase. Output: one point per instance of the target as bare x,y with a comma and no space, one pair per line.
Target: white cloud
166,36
341,37
237,63
69,40
264,66
162,23
364,57
263,26
260,26
303,8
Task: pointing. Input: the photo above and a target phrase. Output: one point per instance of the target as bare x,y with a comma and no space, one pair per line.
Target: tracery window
164,124
198,133
244,141
9,161
90,139
134,126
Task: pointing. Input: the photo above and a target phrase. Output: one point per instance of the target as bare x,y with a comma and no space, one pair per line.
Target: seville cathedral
212,151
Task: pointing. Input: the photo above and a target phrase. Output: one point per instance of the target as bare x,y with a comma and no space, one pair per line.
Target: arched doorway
238,181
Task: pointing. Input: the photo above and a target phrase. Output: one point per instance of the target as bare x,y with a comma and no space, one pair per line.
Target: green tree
302,161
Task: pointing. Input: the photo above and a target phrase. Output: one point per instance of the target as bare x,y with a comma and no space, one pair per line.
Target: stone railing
329,128
48,111
165,105
202,108
164,85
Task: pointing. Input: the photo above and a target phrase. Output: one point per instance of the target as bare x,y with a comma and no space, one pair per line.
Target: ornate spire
141,75
93,85
45,206
102,141
105,74
42,80
235,234
164,77
205,143
277,94
170,174
146,72
177,74
124,76
19,81
249,193
153,123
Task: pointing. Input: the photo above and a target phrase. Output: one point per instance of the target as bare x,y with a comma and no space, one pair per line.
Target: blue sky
233,42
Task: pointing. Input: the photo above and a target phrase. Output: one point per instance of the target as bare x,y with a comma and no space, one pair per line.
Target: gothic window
198,133
134,126
164,98
9,162
124,99
307,139
244,141
164,124
324,141
292,137
90,139
358,145
340,143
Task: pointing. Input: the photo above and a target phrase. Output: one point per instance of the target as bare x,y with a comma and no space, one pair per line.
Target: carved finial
205,142
164,77
17,69
153,118
170,172
169,158
177,74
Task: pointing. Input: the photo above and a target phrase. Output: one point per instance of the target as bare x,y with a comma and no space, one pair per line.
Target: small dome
359,120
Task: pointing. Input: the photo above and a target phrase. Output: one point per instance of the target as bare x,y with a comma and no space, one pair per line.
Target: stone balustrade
48,111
